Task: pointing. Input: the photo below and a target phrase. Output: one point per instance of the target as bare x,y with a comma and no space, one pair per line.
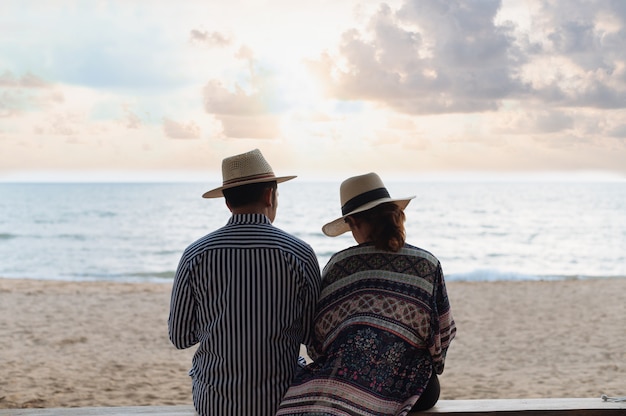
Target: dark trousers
430,395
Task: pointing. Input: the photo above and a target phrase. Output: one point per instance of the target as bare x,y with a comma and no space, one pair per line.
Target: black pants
430,395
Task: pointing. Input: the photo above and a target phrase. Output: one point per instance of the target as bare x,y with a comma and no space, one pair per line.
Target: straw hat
244,169
359,194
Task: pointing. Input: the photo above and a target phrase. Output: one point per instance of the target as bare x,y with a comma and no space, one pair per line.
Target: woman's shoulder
368,249
412,250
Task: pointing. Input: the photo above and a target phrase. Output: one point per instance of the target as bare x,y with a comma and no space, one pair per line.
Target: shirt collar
248,219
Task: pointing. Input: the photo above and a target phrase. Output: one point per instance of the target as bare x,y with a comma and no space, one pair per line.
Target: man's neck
256,209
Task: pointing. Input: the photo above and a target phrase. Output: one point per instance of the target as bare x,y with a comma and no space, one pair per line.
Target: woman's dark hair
243,195
387,226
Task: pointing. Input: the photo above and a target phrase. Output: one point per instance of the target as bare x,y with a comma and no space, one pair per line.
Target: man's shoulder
290,240
198,245
249,235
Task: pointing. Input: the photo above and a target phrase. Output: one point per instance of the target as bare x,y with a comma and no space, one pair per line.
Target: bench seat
504,407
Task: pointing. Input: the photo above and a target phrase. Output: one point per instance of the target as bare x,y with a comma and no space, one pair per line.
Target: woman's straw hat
359,194
244,169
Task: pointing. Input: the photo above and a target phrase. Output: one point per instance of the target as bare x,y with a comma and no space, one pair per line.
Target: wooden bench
504,407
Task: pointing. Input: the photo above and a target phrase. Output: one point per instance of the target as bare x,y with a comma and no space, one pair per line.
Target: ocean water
479,230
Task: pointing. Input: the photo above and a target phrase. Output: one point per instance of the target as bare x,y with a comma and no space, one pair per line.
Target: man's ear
268,197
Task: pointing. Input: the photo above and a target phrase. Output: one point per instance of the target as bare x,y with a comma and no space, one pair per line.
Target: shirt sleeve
443,327
182,319
311,294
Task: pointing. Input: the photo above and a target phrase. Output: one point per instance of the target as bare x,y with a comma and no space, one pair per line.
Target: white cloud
250,126
177,130
219,100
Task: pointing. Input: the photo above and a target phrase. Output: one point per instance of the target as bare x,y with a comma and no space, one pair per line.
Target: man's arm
312,293
182,319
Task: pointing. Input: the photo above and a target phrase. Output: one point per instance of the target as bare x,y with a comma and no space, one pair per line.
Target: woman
383,322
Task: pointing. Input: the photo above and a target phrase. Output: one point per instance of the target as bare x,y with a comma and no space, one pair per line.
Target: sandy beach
68,344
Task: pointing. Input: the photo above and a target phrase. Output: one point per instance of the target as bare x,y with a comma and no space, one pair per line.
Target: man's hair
387,226
243,195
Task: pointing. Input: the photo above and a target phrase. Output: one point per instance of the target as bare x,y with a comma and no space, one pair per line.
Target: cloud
176,130
60,124
27,80
427,57
110,45
618,131
582,54
24,93
250,127
540,121
219,100
131,120
401,123
210,39
251,113
430,82
433,56
9,104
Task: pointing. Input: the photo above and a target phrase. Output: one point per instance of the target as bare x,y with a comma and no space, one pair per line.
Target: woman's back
391,290
374,335
382,322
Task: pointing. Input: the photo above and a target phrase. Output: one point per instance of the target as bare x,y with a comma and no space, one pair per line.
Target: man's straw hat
359,194
244,169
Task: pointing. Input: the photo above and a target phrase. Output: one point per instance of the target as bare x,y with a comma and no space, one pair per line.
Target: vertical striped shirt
246,293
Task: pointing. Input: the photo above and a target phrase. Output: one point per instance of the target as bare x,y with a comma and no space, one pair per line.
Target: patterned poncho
382,326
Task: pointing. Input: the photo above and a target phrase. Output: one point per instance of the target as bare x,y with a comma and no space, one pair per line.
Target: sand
68,344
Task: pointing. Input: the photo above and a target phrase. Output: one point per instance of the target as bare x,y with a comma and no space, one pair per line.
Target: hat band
363,199
269,176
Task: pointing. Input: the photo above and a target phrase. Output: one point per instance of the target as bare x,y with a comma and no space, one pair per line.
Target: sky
156,89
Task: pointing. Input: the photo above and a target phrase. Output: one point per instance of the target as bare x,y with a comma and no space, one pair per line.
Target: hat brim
340,226
217,192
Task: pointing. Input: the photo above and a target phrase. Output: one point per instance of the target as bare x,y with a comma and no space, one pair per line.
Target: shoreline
73,344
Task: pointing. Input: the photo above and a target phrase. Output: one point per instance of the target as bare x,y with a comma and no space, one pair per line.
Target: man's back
247,293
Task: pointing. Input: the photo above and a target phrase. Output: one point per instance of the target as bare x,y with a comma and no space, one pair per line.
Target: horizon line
206,176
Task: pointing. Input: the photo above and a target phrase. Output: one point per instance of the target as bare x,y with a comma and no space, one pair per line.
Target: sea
479,230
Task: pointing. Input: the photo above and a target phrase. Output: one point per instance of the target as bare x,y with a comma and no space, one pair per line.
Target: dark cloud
618,131
428,57
547,121
591,37
445,56
590,33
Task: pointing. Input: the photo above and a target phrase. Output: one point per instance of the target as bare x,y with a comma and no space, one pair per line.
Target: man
246,293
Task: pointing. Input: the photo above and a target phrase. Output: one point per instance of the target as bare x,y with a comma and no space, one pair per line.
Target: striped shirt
246,293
